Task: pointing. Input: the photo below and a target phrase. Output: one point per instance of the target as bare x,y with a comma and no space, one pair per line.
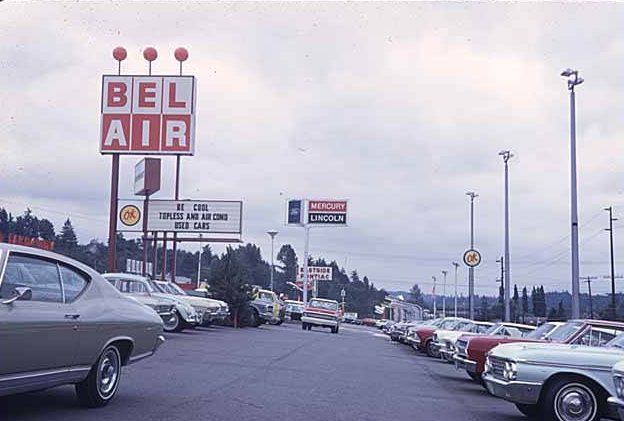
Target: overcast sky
400,108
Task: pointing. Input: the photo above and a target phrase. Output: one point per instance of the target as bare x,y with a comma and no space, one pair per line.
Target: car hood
451,335
560,354
150,300
201,302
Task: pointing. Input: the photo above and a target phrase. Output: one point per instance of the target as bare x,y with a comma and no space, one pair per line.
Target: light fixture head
272,233
568,72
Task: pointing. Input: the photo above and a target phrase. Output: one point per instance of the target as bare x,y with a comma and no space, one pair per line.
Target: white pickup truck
321,312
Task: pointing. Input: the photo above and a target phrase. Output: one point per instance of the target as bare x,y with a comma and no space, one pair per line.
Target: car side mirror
19,293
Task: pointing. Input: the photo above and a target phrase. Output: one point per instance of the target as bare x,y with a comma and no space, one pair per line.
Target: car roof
519,325
132,276
324,299
14,248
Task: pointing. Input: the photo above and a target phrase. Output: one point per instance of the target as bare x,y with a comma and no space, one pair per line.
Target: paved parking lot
277,373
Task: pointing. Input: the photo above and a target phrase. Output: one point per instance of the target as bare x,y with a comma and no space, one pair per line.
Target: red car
472,350
423,335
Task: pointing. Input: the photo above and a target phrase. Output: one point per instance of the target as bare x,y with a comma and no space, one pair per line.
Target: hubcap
172,322
575,402
108,372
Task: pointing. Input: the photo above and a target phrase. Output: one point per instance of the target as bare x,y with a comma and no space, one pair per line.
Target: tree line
231,275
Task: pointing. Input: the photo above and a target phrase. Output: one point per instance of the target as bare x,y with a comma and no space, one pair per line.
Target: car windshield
464,326
175,289
492,330
617,342
328,305
541,331
159,287
449,324
564,332
481,328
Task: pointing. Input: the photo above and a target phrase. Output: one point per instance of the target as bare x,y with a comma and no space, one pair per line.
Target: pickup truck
321,312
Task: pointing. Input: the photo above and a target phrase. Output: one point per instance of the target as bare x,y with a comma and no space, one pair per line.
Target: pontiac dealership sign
315,273
205,216
327,212
148,115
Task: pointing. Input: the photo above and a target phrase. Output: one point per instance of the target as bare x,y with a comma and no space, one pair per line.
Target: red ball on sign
120,54
150,54
181,54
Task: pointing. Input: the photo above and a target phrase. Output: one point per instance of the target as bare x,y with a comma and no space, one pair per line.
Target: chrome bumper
319,322
447,354
464,363
618,405
514,391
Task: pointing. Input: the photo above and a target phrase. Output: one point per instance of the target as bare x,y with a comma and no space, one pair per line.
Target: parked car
412,339
267,308
398,331
444,340
368,322
62,323
209,310
499,329
294,309
322,313
423,335
557,381
147,292
471,350
617,400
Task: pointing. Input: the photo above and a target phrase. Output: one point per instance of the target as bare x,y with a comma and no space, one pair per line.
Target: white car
208,309
444,340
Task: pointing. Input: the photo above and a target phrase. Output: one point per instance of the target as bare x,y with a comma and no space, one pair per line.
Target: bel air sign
148,115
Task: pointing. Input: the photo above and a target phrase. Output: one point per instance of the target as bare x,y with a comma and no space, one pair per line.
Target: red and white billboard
148,115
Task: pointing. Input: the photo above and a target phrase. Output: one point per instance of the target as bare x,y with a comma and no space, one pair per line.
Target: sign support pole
175,234
154,255
305,263
163,265
112,221
145,212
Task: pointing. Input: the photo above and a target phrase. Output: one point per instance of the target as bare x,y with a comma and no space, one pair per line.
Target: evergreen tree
515,304
416,296
561,314
228,284
525,303
484,309
288,269
66,242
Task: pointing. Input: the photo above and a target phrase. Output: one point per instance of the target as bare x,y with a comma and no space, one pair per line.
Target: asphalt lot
278,373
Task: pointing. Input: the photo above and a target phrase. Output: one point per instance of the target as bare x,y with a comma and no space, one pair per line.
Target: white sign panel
198,216
136,266
315,273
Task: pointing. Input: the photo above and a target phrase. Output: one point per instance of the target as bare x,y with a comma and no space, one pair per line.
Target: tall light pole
472,196
444,272
610,229
456,267
434,297
272,233
573,80
506,157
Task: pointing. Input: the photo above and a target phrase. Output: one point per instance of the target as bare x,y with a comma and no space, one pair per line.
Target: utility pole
502,286
610,229
589,279
455,307
272,234
434,297
198,261
573,80
444,272
472,196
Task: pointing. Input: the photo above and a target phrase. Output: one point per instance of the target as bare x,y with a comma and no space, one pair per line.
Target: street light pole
272,233
506,157
472,196
573,80
444,272
455,308
610,229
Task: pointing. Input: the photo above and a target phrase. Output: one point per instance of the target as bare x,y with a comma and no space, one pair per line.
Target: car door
40,333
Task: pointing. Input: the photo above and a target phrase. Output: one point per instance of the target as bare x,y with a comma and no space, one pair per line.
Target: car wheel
530,411
173,324
280,322
309,327
429,348
337,329
570,399
474,376
304,326
254,318
101,384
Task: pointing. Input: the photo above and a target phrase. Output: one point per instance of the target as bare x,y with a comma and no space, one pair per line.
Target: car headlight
618,380
488,366
510,371
435,337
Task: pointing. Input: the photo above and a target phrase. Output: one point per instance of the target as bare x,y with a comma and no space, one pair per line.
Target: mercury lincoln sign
148,115
327,212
